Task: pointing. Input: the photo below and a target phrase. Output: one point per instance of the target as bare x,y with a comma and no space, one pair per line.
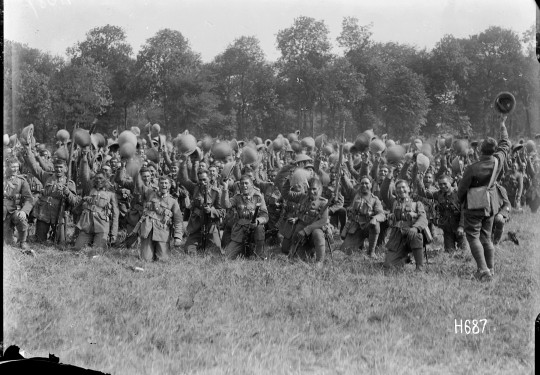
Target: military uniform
55,190
244,206
407,221
197,217
312,215
358,228
98,220
478,223
504,212
274,203
449,215
161,220
17,197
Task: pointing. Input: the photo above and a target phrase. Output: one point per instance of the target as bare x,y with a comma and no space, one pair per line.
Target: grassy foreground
274,317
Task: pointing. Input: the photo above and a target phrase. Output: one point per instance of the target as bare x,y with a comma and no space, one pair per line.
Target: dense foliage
393,88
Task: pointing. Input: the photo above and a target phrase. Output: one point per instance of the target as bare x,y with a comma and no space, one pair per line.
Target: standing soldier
479,218
17,205
365,214
161,220
56,188
244,204
311,217
99,218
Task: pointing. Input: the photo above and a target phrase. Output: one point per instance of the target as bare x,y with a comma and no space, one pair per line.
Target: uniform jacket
100,213
47,207
213,199
479,174
311,213
161,216
244,207
17,195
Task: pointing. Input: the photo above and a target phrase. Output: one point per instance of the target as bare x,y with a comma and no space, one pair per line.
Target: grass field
204,315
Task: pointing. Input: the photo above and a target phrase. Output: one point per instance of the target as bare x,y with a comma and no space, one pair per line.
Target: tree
304,55
405,104
81,94
171,74
27,95
106,46
244,82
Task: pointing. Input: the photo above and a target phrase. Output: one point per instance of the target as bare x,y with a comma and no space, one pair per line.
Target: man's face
164,185
14,168
314,191
99,181
382,173
272,175
152,171
245,186
213,172
365,186
174,170
444,185
402,190
146,177
59,170
428,178
202,165
203,179
106,170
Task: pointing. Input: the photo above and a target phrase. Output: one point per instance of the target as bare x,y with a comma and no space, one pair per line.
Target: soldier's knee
375,228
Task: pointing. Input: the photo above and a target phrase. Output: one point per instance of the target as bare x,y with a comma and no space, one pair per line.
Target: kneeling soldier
245,204
161,220
99,218
407,221
312,216
17,205
365,214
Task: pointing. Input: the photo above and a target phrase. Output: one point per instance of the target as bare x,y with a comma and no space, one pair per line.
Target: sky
211,25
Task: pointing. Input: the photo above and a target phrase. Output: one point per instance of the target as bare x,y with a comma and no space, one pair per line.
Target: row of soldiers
298,198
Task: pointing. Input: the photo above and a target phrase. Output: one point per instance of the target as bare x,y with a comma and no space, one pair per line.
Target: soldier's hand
499,218
20,214
66,190
112,240
177,242
300,235
460,231
292,220
373,221
207,209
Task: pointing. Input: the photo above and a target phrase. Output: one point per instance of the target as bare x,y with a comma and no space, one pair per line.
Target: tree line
392,88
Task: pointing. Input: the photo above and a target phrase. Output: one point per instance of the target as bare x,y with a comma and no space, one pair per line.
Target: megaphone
505,103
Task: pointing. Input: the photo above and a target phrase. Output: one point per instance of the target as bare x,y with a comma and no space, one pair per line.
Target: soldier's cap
59,161
261,146
309,165
537,136
302,157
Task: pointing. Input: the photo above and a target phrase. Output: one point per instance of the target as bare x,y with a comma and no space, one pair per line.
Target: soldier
56,188
513,183
311,217
161,220
274,202
98,222
244,205
450,215
18,203
365,214
502,216
479,220
205,211
407,221
287,220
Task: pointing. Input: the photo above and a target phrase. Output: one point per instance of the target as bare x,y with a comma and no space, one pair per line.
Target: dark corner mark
12,362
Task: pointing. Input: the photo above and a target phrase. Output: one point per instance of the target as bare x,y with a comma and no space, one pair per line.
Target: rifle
204,226
340,162
61,224
249,235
